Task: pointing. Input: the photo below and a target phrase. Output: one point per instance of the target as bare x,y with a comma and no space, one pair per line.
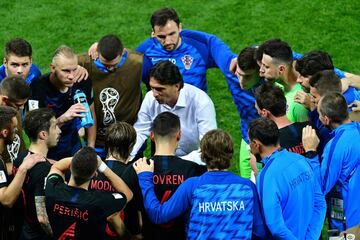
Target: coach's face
165,94
168,35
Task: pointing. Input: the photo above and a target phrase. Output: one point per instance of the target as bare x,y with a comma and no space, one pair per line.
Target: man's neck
83,186
290,79
335,125
39,148
165,148
118,158
281,122
268,150
54,81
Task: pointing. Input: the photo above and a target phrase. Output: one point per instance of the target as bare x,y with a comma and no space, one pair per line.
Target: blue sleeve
296,55
174,207
259,229
331,166
318,216
217,54
272,208
33,74
339,73
147,64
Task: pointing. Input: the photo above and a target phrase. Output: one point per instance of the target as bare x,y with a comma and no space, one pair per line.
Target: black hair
36,121
165,124
110,47
265,131
19,47
83,165
313,62
246,60
325,81
280,51
166,73
272,98
162,16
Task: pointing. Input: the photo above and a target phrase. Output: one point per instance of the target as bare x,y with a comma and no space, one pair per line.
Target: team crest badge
187,60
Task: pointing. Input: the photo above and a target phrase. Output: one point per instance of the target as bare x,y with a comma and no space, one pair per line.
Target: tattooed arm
42,215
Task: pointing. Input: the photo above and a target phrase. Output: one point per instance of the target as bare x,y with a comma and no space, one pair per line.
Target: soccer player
14,92
116,78
56,91
41,128
289,189
10,190
314,62
221,204
271,104
277,64
119,139
169,93
169,172
340,174
75,212
18,61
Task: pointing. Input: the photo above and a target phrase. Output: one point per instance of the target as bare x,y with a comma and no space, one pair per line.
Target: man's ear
178,136
42,135
4,61
327,120
264,113
52,67
152,33
282,68
152,136
4,132
180,27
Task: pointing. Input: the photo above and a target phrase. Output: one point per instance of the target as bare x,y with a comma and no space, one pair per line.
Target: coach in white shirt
169,93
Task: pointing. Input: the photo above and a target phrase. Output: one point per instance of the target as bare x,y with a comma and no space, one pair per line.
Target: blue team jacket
222,206
340,166
290,193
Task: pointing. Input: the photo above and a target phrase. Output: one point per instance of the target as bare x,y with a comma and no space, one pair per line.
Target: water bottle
80,97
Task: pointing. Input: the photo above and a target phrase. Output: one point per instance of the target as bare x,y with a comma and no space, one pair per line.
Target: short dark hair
334,106
326,81
36,121
246,60
313,62
162,16
280,51
15,88
265,131
83,165
120,137
260,49
272,98
6,116
217,149
110,46
166,73
19,47
165,124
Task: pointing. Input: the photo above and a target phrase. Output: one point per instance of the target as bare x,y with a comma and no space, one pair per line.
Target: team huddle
72,141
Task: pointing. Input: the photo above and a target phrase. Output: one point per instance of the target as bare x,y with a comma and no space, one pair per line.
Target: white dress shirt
195,110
